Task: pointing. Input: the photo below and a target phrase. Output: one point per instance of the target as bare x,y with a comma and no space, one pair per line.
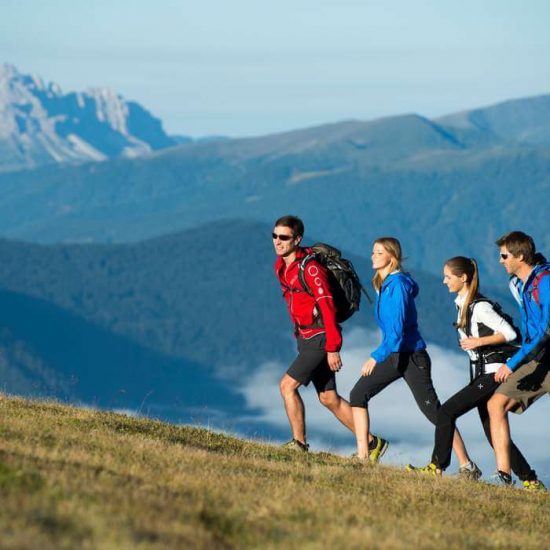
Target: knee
329,399
358,398
445,415
430,410
287,386
496,406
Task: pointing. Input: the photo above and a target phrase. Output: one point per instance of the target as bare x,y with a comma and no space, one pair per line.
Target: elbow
507,336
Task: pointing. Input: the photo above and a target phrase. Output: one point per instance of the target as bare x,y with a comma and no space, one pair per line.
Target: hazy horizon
250,68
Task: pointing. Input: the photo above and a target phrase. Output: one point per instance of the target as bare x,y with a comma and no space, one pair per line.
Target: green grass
78,478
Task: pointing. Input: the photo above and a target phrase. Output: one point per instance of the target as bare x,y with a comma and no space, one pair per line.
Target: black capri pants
415,367
475,394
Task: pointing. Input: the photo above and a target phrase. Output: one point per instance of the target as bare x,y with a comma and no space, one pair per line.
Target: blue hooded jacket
535,318
395,314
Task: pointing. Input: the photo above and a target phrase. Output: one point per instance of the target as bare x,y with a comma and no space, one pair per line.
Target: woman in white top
487,336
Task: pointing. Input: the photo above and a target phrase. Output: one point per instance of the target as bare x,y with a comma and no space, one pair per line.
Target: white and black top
483,314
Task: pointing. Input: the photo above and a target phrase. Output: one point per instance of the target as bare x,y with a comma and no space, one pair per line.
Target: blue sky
250,67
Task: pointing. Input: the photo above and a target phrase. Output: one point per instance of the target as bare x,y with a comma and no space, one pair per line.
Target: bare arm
473,343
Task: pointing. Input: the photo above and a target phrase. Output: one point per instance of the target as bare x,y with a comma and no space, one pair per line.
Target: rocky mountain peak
40,124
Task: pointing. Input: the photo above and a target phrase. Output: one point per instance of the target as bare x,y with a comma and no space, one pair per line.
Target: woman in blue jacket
401,354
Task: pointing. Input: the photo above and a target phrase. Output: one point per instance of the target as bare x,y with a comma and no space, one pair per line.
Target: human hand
503,373
334,361
470,343
368,367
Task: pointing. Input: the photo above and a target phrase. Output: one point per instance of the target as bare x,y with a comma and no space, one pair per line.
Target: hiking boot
295,445
377,447
502,478
534,485
469,471
431,469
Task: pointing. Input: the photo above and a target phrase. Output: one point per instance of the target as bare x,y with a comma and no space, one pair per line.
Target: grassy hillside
74,478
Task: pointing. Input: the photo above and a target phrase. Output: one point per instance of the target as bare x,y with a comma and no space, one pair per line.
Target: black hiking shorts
311,365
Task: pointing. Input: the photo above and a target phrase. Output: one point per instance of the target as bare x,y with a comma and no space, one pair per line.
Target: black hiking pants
475,394
414,367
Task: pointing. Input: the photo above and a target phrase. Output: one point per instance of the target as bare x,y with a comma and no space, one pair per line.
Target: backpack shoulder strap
301,271
478,300
497,308
536,283
301,267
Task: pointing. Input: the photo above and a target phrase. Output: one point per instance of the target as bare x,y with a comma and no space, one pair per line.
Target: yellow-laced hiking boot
377,447
534,485
431,469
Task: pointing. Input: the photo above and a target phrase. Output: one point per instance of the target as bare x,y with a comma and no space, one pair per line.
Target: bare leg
339,407
342,410
294,407
362,435
498,407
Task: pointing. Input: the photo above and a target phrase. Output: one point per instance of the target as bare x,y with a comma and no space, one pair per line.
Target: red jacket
302,306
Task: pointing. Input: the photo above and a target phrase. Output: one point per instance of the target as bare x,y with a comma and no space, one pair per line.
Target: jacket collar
389,278
517,286
280,263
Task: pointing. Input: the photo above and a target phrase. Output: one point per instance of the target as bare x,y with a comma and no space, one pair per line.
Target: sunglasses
504,256
282,237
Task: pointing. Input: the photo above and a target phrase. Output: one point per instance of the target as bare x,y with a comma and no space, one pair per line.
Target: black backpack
491,354
498,308
344,282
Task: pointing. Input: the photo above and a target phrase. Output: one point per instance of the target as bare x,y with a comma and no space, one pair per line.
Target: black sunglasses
504,256
282,237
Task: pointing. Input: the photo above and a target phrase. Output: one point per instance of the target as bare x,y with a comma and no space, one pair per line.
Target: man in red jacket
318,334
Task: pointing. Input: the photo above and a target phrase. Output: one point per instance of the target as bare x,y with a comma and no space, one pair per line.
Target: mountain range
445,187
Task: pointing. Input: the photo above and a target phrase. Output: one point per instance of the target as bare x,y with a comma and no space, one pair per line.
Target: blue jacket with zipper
395,314
535,317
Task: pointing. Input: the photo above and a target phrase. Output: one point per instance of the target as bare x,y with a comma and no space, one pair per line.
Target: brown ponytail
459,265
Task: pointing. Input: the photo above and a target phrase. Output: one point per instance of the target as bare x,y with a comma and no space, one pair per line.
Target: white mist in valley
394,413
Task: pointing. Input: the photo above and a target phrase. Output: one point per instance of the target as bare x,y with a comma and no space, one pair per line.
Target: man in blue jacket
526,376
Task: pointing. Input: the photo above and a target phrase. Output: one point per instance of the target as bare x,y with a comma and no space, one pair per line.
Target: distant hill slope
73,478
159,322
208,294
47,351
443,187
40,125
525,121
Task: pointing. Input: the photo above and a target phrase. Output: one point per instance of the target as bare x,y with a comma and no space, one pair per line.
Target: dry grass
75,478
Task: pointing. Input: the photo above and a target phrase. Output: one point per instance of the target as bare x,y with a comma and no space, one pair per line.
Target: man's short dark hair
519,244
294,223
